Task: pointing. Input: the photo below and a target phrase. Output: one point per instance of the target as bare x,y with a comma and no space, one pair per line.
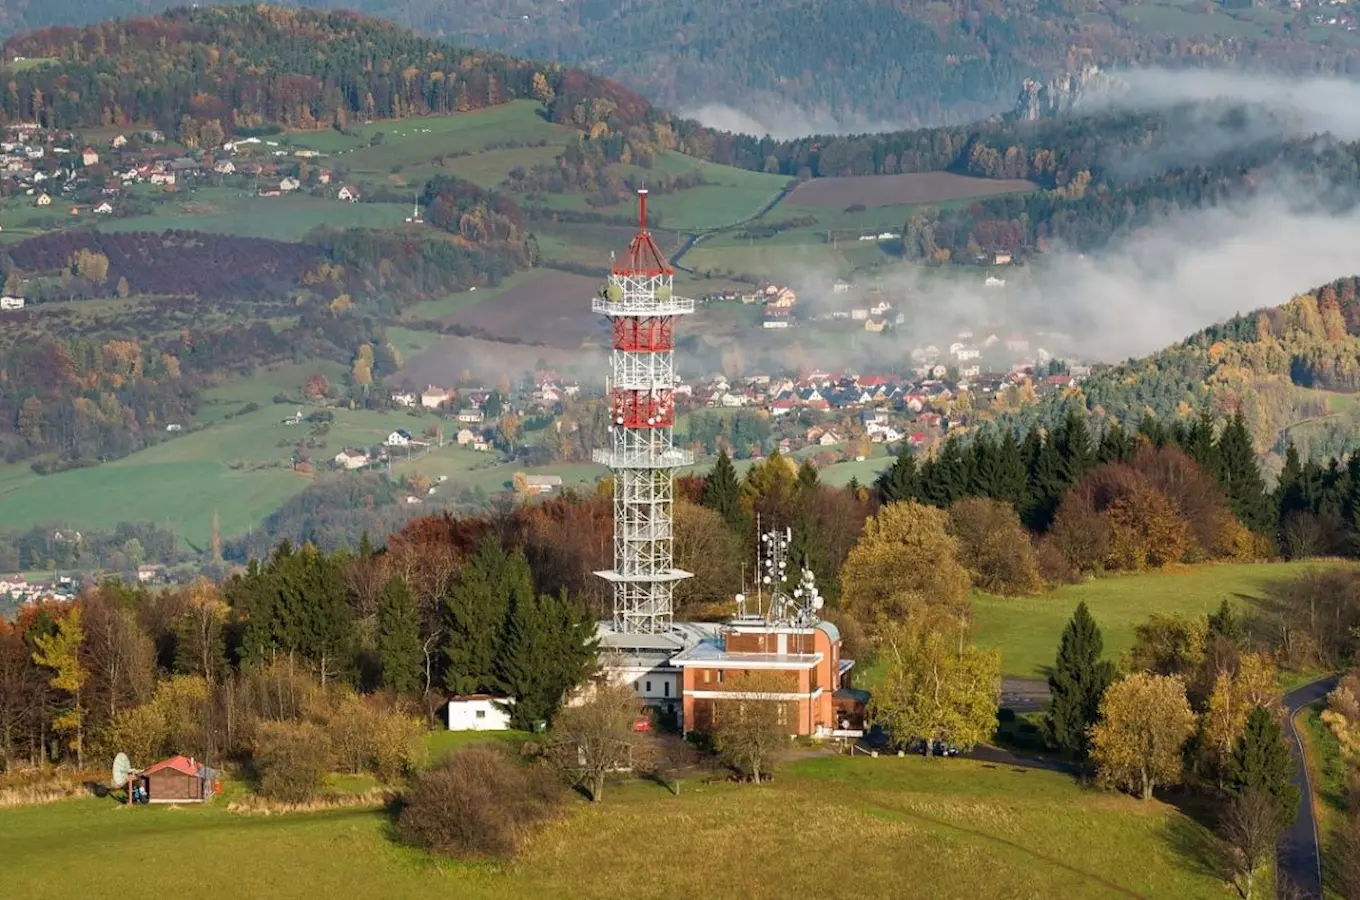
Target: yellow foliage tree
1145,720
60,652
1234,696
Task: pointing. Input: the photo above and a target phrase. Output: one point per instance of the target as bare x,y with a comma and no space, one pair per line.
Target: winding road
1299,856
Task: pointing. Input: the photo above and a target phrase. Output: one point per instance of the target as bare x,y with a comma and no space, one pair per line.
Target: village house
479,712
404,398
351,459
119,142
224,167
993,281
43,200
470,416
466,437
89,157
875,325
289,184
349,194
435,397
399,438
11,303
104,208
1002,258
542,484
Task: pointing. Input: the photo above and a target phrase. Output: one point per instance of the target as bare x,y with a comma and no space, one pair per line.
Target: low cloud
766,114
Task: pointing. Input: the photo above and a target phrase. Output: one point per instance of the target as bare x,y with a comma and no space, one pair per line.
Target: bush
292,759
479,803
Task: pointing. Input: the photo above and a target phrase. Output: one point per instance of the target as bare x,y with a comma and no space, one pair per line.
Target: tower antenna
637,298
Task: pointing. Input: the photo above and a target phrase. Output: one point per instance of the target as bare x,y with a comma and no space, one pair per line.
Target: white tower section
641,308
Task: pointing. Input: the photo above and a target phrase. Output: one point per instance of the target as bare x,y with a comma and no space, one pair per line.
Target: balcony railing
644,459
642,305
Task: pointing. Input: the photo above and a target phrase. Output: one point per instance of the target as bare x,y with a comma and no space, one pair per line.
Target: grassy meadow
1027,629
826,826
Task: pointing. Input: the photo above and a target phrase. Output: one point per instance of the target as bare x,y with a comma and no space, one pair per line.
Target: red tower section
641,398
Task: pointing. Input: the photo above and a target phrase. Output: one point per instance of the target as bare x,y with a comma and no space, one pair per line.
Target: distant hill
802,65
1293,370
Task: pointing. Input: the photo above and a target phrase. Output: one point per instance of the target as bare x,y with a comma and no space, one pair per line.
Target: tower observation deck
638,300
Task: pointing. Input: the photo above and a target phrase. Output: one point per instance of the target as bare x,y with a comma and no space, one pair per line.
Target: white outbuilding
479,712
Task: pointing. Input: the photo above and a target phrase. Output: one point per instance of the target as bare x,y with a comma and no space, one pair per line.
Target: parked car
937,748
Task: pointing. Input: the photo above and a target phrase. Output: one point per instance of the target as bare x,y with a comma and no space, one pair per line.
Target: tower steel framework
638,300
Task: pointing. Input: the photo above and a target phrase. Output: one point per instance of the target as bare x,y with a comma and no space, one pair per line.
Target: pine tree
399,646
1224,623
1241,478
1077,684
1199,443
1074,445
722,493
1115,445
1291,489
900,482
474,614
1261,761
807,479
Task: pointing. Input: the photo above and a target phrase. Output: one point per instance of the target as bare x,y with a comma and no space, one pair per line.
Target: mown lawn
827,827
1027,629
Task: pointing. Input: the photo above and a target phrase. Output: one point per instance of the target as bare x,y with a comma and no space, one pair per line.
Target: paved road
1299,857
1024,695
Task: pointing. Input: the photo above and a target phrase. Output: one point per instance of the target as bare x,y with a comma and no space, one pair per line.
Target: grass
439,744
234,466
831,827
1026,630
234,211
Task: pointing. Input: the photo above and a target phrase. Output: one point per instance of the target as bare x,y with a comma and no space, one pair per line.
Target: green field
830,827
1027,629
235,211
233,466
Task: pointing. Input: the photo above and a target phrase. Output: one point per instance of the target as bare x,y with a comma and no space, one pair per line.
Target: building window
707,676
480,714
666,688
649,687
720,676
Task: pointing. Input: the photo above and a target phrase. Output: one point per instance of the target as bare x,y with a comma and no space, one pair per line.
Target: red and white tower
638,299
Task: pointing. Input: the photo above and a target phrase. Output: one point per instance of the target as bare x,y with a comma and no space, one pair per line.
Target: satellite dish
122,770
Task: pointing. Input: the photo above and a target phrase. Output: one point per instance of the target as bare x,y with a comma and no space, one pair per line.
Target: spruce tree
1261,760
1077,684
1010,471
722,492
1115,445
900,482
1199,441
1241,478
1152,428
548,649
807,479
1291,490
1074,445
474,616
399,647
1047,484
1225,624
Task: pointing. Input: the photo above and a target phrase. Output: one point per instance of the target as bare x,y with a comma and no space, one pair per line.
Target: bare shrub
292,759
479,802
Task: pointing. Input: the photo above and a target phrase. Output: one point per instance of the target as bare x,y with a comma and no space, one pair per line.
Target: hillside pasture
949,829
443,357
895,190
553,310
236,212
1027,629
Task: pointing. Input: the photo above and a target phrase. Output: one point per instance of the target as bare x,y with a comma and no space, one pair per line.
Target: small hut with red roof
179,779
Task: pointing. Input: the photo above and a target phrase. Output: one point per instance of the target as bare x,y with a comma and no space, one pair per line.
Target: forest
899,65
1262,365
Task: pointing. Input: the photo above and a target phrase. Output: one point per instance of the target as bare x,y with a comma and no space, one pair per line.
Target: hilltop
799,66
1292,370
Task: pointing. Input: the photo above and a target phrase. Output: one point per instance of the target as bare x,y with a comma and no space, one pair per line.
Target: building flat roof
710,653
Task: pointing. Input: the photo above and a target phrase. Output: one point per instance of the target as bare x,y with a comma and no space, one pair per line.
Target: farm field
435,310
916,189
553,309
1027,629
949,829
230,211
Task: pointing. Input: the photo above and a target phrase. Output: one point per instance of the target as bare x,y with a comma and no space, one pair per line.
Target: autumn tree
200,644
1250,825
994,546
60,652
936,690
905,563
705,546
315,387
751,725
1233,699
592,738
1145,720
1077,684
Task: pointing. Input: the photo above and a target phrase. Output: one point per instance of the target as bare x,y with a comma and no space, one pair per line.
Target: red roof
182,764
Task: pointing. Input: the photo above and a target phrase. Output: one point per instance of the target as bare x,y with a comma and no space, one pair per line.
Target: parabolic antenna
122,770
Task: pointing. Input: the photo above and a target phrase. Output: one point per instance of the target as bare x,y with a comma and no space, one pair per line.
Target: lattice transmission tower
642,309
